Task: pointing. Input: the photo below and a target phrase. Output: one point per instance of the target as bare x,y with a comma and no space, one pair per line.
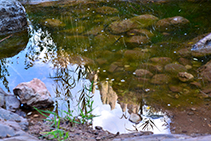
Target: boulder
12,127
17,121
12,17
33,93
171,24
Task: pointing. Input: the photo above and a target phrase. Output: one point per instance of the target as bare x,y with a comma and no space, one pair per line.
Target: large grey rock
12,103
203,45
2,97
33,93
12,17
11,117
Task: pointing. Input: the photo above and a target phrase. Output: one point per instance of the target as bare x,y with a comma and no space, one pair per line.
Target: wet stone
152,67
175,68
53,23
142,32
160,79
161,60
185,77
143,73
172,23
137,40
105,10
135,118
175,89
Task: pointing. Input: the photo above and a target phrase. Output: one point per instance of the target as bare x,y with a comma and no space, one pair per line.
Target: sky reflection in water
41,66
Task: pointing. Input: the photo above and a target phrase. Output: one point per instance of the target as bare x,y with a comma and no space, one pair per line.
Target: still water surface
68,59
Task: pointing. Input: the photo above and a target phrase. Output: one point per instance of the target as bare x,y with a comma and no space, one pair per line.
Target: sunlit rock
174,68
161,60
105,10
143,73
143,21
142,32
12,17
160,79
172,23
135,118
137,40
54,23
185,77
33,93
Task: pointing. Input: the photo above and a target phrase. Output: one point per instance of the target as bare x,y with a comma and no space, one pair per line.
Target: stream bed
97,49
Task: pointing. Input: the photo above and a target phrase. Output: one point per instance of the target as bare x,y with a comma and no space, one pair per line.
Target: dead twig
5,38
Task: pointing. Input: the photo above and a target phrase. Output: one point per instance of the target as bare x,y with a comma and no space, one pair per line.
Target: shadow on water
71,49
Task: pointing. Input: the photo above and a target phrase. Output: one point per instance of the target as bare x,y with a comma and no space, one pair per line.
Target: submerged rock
137,40
119,27
145,20
140,32
105,10
175,68
160,79
185,77
54,23
12,17
143,73
161,60
135,118
171,24
33,93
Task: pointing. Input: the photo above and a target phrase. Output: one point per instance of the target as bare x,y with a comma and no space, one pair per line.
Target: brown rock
161,60
175,68
171,24
160,79
184,76
143,73
33,93
138,40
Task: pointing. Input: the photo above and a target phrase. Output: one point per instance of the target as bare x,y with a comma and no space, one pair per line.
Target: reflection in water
68,81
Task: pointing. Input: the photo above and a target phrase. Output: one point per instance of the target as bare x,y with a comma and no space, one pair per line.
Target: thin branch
5,38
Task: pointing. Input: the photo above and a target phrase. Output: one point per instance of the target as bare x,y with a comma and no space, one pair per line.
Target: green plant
86,105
